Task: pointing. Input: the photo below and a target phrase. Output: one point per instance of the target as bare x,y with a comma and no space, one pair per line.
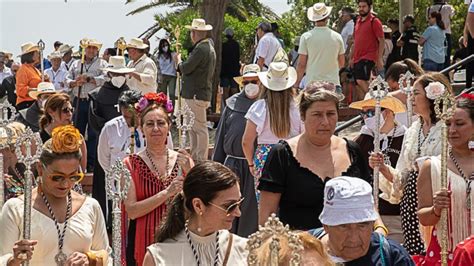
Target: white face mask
251,90
165,49
118,81
370,122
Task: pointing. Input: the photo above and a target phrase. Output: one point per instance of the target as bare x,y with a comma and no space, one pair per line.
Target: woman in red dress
154,174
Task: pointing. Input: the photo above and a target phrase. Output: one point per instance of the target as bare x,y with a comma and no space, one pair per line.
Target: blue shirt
434,48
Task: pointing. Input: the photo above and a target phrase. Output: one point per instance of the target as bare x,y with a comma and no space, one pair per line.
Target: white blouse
178,251
393,191
85,232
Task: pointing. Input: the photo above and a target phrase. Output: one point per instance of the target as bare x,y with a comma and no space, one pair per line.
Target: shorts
363,69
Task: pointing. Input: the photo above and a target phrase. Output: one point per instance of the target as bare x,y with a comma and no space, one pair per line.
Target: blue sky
29,20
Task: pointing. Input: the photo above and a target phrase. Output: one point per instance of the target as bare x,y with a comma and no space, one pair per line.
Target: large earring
199,229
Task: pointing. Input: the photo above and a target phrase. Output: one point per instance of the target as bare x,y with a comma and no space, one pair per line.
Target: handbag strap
229,247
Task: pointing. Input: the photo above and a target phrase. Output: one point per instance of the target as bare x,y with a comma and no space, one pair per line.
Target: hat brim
314,17
144,46
31,49
389,102
278,86
239,80
97,45
338,216
35,93
205,28
123,70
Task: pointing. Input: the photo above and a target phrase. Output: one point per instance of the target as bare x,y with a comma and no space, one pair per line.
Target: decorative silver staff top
118,180
41,46
406,86
378,88
5,142
184,122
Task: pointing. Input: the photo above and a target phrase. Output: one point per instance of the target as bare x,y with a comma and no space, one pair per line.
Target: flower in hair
65,139
141,105
152,97
434,90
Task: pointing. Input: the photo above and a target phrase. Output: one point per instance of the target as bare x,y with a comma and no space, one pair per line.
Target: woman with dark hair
27,77
167,64
394,72
458,200
67,228
58,112
197,224
398,184
432,40
154,173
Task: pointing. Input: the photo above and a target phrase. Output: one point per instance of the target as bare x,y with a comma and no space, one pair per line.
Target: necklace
60,258
420,142
165,175
193,248
386,157
466,179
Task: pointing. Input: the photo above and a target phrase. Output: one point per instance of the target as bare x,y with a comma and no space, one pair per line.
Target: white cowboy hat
279,76
55,54
28,48
199,24
93,43
137,44
319,11
64,48
43,88
117,65
249,71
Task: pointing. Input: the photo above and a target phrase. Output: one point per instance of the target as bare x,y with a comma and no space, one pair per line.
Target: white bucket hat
279,76
199,24
55,54
43,88
137,43
319,11
117,65
28,48
347,200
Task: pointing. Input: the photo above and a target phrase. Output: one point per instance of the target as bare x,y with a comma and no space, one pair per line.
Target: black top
230,66
395,55
302,191
410,43
8,88
30,116
44,135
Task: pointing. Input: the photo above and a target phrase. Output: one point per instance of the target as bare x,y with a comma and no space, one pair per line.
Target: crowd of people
279,187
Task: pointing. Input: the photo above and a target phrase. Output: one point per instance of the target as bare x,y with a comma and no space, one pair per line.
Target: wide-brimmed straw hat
64,48
319,11
117,65
199,24
249,71
28,48
388,102
94,43
43,88
137,43
279,76
55,54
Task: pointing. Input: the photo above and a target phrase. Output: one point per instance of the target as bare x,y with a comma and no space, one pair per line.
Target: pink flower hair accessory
434,90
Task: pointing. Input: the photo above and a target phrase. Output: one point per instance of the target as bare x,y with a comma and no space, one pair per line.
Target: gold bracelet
383,228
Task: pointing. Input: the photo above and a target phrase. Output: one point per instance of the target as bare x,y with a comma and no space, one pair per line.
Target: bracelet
383,228
433,211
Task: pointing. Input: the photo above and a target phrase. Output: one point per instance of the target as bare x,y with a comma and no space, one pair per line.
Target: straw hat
55,54
28,48
117,65
64,48
94,43
279,76
43,88
248,72
319,11
199,24
137,44
386,29
388,102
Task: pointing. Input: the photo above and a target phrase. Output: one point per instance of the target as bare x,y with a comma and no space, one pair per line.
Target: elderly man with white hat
321,50
30,116
82,79
197,75
348,220
144,77
66,51
57,75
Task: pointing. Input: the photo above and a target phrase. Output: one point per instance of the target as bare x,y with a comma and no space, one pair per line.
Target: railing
444,71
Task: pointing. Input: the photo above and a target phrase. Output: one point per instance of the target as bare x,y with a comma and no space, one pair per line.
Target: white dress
85,232
178,251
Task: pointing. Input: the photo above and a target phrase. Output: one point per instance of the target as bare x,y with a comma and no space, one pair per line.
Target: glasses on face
74,178
67,110
245,82
370,112
231,208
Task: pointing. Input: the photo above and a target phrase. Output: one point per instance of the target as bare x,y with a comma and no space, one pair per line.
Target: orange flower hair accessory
149,98
66,139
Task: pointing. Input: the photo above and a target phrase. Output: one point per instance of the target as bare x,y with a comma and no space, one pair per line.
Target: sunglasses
371,112
75,178
245,82
231,207
66,110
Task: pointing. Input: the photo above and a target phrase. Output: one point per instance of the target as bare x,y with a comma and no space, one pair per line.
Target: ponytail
439,20
45,120
175,220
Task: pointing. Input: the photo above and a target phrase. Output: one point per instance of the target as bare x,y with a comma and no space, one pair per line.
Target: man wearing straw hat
198,71
144,77
56,73
30,116
321,49
83,79
66,51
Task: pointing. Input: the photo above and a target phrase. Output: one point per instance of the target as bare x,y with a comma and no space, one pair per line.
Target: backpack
281,56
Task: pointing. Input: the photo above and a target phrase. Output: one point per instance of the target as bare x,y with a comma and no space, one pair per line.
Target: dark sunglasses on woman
231,208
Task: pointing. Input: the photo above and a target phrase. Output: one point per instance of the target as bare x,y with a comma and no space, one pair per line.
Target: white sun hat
55,54
279,76
117,65
347,200
137,43
319,11
199,24
43,88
